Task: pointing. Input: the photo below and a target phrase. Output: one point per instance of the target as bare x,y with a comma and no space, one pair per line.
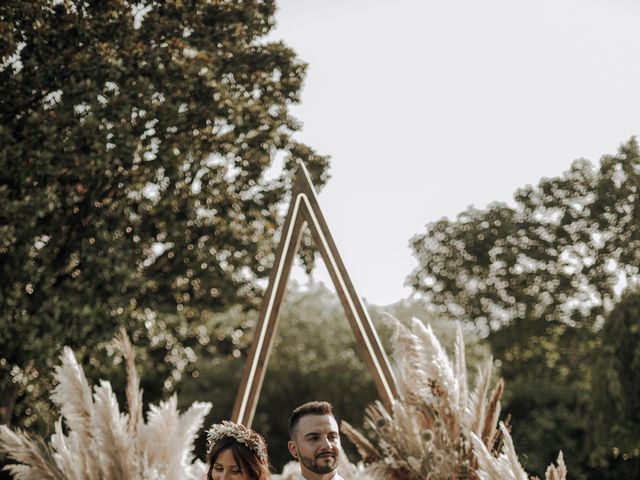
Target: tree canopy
615,383
137,175
540,278
558,255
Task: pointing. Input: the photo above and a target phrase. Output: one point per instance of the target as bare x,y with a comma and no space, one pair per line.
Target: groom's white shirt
335,477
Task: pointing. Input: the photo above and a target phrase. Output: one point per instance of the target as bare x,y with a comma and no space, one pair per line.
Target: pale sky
428,107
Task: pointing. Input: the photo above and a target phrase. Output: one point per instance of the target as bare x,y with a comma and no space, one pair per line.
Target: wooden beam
305,209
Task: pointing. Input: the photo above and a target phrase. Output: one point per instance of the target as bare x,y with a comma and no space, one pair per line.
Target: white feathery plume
195,471
133,390
103,442
115,446
421,437
477,405
155,437
460,373
444,384
349,471
410,377
148,471
436,362
509,455
504,466
69,463
488,468
437,430
492,415
65,449
189,423
72,395
405,431
559,472
167,438
33,454
22,472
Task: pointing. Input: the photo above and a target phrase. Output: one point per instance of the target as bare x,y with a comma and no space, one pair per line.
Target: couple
238,453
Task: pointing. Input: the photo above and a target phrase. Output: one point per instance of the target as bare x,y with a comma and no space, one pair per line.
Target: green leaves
133,151
541,278
558,255
616,380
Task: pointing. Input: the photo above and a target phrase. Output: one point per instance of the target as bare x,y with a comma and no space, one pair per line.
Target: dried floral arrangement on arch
438,428
103,443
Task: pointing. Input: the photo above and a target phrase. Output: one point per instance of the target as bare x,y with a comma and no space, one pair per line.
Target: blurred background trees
541,280
615,391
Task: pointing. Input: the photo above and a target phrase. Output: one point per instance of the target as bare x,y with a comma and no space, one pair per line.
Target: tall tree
615,388
557,256
136,146
541,277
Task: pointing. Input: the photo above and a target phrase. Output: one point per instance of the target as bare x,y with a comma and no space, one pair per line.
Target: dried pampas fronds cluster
438,429
101,442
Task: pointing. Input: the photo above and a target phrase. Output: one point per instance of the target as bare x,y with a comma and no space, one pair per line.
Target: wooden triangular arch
304,209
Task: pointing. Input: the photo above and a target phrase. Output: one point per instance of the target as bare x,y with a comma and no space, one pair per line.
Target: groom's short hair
309,408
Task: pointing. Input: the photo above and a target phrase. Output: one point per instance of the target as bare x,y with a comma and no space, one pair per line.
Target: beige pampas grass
437,430
559,472
133,390
103,442
34,455
504,466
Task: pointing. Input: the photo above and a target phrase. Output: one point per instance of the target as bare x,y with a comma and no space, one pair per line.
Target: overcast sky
427,107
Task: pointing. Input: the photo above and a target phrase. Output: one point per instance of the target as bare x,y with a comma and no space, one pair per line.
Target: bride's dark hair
246,458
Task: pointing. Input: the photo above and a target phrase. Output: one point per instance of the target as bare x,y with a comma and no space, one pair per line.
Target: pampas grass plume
102,442
437,429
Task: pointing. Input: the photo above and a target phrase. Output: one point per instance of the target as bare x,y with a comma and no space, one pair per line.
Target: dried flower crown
252,440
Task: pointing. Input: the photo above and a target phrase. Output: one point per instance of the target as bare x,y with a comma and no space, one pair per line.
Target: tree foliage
136,141
540,278
558,255
616,388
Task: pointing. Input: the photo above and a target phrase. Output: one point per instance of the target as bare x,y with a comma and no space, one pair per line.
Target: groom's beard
324,462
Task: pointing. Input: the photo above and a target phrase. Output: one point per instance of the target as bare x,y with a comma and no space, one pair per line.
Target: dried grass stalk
101,441
437,429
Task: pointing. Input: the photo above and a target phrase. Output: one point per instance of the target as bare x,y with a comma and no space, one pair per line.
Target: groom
315,441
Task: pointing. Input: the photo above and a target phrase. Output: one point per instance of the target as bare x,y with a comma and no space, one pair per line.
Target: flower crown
252,440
